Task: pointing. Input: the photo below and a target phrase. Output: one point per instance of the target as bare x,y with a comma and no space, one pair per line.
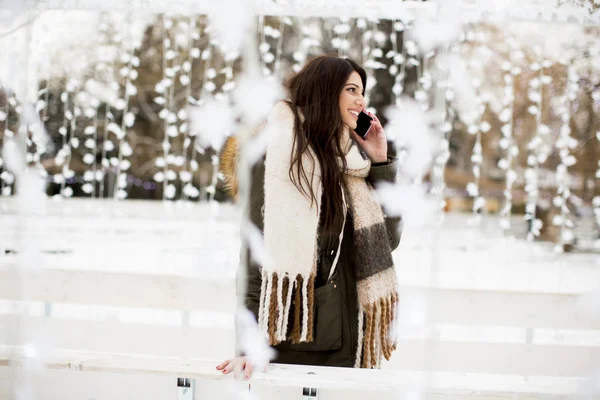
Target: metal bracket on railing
185,389
309,394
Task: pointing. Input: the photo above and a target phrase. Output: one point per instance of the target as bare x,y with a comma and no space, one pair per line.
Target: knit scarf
290,235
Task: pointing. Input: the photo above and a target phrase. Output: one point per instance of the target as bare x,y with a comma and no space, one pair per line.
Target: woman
327,294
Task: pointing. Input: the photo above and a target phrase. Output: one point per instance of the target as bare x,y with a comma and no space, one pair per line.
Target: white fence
120,302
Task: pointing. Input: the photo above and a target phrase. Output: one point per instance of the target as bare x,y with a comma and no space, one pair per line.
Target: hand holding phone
375,146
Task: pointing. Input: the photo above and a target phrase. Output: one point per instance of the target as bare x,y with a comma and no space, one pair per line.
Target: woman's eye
351,89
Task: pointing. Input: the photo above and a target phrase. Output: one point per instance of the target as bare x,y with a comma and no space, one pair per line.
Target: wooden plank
496,358
52,230
119,289
153,263
216,343
113,336
93,222
130,241
148,209
457,271
492,269
500,308
333,383
456,306
493,263
59,384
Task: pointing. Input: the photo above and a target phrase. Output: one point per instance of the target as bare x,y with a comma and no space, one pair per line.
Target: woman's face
352,100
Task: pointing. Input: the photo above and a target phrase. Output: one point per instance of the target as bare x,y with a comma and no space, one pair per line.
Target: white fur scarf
291,233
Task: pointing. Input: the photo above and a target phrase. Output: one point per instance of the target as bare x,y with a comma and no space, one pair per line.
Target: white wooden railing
127,299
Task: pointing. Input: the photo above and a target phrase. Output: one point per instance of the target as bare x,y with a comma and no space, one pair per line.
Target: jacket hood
229,155
229,158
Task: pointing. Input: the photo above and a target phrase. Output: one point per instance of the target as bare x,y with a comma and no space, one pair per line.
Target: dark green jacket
336,324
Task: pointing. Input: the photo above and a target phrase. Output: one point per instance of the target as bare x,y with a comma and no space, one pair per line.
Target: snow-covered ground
478,311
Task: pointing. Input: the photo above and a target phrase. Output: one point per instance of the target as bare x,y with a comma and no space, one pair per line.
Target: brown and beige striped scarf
290,234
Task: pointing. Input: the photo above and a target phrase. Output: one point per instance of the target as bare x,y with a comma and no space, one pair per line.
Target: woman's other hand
238,365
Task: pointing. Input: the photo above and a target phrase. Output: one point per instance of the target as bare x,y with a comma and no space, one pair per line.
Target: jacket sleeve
253,274
386,172
252,279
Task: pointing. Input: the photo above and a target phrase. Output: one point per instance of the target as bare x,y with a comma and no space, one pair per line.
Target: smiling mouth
354,113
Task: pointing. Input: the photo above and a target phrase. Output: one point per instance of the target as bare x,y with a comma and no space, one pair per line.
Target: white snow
211,122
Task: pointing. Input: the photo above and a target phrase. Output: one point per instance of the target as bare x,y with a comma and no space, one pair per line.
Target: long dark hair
315,92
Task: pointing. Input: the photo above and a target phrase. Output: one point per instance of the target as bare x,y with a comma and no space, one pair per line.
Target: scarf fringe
288,289
278,294
261,307
376,332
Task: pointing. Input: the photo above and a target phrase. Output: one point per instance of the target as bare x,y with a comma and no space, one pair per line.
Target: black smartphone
363,125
